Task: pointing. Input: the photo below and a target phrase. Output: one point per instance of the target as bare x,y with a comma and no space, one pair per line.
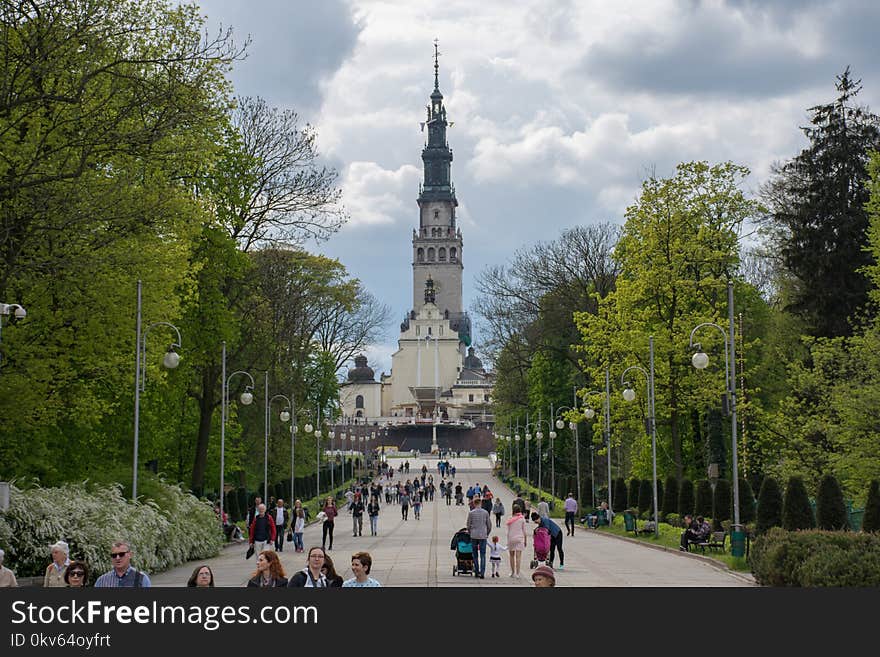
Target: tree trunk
206,413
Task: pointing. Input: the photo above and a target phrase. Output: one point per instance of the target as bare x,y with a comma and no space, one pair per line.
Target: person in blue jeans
555,538
479,526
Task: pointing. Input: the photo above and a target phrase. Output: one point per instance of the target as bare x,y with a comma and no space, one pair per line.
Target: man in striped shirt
123,575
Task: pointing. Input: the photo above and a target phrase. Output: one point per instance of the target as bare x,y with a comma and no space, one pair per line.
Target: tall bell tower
437,244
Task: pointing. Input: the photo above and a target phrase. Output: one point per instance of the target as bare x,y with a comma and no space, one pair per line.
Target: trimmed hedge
170,529
796,510
830,508
633,491
703,499
646,496
670,498
816,558
619,501
722,503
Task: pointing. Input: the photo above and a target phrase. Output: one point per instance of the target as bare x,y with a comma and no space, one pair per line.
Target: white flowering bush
170,529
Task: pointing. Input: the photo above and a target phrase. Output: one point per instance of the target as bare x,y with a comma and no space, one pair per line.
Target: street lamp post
629,395
247,397
171,360
284,416
516,438
342,437
700,360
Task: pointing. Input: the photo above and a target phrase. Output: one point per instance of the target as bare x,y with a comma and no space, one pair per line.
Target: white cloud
373,195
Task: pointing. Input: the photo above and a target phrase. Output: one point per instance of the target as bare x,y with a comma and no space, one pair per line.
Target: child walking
495,550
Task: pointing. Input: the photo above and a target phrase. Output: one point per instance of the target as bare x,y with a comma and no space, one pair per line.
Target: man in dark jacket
357,515
280,516
261,530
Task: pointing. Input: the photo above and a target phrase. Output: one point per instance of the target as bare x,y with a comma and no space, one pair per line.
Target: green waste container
738,543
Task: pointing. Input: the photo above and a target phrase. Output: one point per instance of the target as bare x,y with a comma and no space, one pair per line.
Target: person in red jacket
330,513
262,530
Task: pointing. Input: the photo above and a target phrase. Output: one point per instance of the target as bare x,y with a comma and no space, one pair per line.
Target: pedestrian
498,510
361,564
280,517
417,504
448,494
357,515
311,576
479,526
334,579
373,513
261,530
123,574
7,577
299,525
486,502
252,512
77,575
517,540
404,505
495,550
54,577
555,538
269,572
459,496
349,496
543,509
571,507
544,577
202,577
329,511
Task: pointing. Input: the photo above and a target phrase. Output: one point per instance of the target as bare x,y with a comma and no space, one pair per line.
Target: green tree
703,499
746,501
686,498
817,205
831,511
769,506
871,519
677,250
796,511
646,496
670,497
722,503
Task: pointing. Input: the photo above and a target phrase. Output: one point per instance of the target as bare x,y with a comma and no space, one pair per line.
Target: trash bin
738,543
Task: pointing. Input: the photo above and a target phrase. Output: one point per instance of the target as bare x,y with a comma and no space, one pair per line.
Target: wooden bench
715,541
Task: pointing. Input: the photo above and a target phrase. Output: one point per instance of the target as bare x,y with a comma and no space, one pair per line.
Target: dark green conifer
703,499
769,506
686,498
618,502
746,501
670,497
871,519
722,503
646,494
796,511
830,508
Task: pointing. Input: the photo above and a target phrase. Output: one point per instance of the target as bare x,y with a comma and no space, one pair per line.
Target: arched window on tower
453,254
441,254
359,401
436,214
430,254
420,255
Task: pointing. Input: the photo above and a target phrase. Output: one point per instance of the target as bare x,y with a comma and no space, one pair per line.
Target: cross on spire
436,66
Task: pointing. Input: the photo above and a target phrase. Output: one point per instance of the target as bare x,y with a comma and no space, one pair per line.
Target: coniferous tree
703,499
769,506
830,508
746,501
796,511
722,500
686,498
670,497
633,492
871,519
660,494
817,203
618,502
646,494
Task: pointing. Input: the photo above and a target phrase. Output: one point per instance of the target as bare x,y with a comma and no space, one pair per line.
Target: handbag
289,536
249,553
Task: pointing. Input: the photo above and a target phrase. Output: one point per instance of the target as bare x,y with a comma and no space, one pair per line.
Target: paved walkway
416,552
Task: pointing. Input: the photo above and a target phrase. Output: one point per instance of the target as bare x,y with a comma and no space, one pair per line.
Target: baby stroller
541,541
464,553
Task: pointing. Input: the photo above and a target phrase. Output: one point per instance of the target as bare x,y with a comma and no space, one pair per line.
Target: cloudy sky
561,107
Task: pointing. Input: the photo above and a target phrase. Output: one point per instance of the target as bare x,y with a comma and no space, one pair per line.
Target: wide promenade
416,553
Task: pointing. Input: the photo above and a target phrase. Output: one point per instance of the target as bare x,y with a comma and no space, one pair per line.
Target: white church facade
435,375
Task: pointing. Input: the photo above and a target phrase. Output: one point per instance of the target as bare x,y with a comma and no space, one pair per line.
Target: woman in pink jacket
517,539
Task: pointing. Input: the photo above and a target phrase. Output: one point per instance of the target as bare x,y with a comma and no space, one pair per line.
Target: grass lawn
670,537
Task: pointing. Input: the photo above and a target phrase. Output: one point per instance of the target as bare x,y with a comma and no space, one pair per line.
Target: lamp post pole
516,438
285,416
629,395
246,398
171,360
700,360
608,431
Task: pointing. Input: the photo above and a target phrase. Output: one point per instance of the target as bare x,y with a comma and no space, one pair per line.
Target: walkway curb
688,555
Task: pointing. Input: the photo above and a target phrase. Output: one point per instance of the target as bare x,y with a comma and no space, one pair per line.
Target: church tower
437,244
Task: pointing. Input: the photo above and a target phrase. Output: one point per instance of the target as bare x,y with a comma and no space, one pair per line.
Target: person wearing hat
54,577
543,577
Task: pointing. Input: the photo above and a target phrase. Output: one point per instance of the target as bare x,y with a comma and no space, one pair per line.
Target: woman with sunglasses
77,574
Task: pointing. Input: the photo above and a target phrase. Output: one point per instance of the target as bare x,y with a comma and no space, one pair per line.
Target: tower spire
436,66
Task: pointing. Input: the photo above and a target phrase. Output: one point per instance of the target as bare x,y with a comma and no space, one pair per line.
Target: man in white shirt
280,515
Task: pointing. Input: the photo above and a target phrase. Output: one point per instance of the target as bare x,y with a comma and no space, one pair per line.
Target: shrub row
90,517
816,558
